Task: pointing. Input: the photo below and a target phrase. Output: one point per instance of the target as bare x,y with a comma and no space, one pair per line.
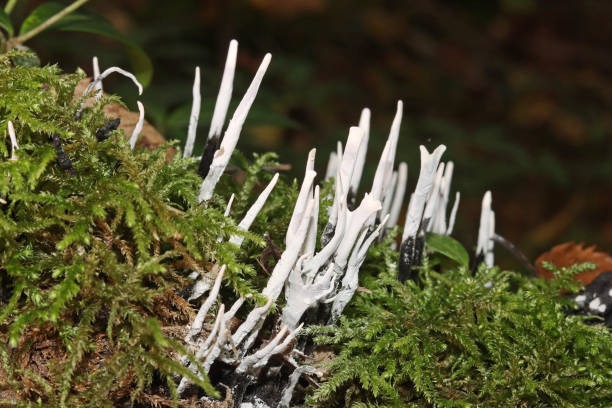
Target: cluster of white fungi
317,284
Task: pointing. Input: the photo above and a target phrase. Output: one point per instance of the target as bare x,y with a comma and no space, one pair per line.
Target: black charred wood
239,383
269,390
600,286
596,300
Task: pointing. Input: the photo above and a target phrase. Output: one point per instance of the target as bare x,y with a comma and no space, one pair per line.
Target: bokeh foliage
518,89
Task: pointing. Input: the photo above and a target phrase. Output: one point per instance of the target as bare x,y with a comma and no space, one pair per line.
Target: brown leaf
568,254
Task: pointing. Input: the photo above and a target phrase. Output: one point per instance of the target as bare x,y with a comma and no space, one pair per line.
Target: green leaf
5,22
449,247
39,15
93,23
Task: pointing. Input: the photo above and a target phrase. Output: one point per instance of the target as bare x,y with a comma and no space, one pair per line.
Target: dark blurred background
519,90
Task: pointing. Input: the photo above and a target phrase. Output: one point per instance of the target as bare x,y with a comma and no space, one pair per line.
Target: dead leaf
568,254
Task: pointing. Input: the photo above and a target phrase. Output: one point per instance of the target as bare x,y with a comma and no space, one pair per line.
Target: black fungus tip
105,130
207,156
63,160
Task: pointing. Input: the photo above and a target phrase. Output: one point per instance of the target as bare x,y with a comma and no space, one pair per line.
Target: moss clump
496,339
92,253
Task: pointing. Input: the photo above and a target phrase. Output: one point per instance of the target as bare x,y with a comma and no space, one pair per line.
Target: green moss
90,258
496,339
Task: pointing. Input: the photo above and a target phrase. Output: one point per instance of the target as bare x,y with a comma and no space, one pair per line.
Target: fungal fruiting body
316,280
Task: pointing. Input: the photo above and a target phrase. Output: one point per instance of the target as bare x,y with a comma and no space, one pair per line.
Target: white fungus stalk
196,325
215,350
486,230
382,188
235,307
211,355
344,172
195,114
228,208
310,161
301,293
389,194
393,141
311,237
303,196
250,360
213,333
225,91
109,71
203,350
289,257
200,287
232,133
429,164
315,263
300,206
287,395
439,225
332,165
279,348
350,281
349,158
483,229
13,137
339,196
248,219
434,200
379,175
253,319
453,214
276,281
204,283
93,84
364,125
139,125
398,197
489,256
356,221
96,74
202,347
